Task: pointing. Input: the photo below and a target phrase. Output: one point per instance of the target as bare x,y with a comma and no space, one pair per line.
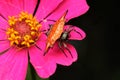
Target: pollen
23,30
13,39
12,20
27,40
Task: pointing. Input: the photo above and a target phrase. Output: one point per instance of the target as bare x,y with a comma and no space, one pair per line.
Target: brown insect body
55,31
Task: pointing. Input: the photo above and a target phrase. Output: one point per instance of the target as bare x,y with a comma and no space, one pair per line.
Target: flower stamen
27,40
23,30
14,39
12,20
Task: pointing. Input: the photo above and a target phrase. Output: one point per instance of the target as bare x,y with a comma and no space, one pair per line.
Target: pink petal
3,23
4,45
59,57
46,7
47,69
7,9
3,35
75,33
13,65
37,50
46,25
75,8
17,3
23,5
3,27
29,5
43,68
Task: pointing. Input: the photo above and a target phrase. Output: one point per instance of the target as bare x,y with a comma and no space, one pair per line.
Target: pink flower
61,51
21,37
20,24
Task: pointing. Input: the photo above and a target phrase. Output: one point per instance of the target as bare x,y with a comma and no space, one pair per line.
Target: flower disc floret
23,30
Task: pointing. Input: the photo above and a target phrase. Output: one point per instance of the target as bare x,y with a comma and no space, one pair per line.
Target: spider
64,38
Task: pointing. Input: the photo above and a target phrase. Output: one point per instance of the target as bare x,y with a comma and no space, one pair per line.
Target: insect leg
46,16
38,47
60,46
78,33
72,29
65,46
48,30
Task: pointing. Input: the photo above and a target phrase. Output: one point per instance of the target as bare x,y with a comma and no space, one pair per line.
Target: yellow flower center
23,30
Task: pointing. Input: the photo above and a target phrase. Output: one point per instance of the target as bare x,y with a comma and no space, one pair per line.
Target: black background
98,52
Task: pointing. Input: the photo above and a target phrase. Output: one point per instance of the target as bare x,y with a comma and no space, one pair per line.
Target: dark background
98,52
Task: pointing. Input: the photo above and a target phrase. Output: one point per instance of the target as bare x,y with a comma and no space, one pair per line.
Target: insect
55,31
62,41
